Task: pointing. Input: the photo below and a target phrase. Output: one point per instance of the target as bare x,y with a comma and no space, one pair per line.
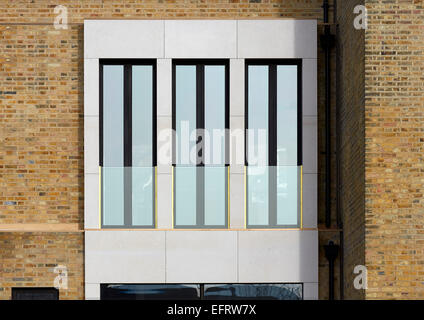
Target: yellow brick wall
394,83
28,260
41,116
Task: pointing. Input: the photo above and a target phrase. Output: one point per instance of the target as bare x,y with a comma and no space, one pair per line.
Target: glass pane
113,145
287,115
214,148
258,115
253,291
185,196
142,146
113,196
150,292
143,195
288,192
257,195
113,116
142,115
185,114
215,195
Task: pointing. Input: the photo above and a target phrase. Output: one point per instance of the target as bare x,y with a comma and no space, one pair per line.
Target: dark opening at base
201,291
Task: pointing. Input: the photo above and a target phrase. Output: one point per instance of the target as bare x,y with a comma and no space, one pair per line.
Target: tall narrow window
273,143
128,143
200,120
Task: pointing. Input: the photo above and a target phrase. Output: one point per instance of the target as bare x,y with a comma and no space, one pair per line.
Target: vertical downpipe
331,252
326,45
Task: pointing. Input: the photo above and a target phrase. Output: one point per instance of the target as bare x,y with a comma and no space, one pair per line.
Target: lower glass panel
201,197
143,196
257,195
185,187
128,197
215,195
113,196
149,292
253,291
289,291
274,196
288,195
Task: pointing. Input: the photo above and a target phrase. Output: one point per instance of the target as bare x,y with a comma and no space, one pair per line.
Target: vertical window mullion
154,144
272,147
101,115
101,139
299,115
127,145
154,116
200,125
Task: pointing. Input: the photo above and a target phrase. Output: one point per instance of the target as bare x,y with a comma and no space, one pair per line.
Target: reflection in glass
149,292
253,292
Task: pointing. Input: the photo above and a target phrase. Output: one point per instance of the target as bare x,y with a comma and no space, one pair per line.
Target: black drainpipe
331,252
327,41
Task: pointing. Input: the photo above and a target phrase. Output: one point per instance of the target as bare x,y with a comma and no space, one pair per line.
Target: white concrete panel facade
277,39
200,39
124,256
123,39
278,256
201,256
186,256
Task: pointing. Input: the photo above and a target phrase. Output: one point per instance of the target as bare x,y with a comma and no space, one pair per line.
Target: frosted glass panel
258,195
143,195
215,195
113,116
288,190
185,196
257,114
113,145
185,113
257,172
214,148
142,116
113,196
287,115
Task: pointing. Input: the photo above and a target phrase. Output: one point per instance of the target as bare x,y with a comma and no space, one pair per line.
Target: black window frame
200,125
127,103
272,133
171,291
44,292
